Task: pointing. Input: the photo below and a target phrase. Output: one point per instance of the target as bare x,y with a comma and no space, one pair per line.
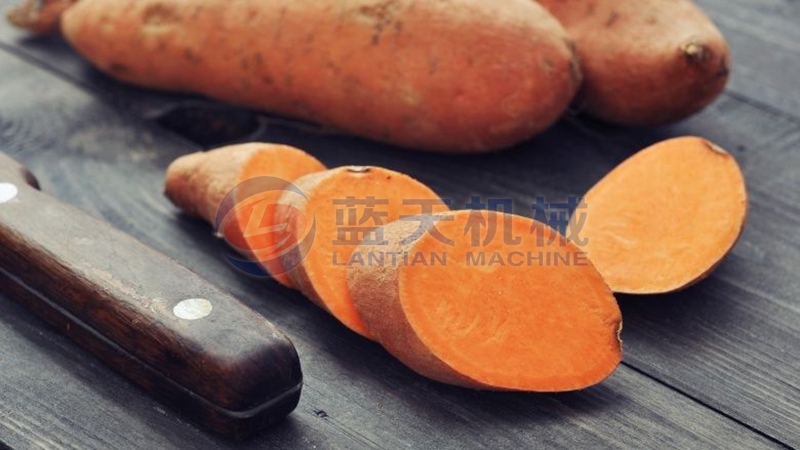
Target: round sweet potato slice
665,218
345,206
534,315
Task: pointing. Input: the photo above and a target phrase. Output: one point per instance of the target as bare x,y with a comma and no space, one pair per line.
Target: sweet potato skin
325,284
378,301
198,182
376,291
701,213
457,75
645,62
39,16
293,258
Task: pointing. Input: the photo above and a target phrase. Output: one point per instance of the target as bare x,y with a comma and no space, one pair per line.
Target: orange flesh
285,163
534,327
254,232
664,218
329,276
200,182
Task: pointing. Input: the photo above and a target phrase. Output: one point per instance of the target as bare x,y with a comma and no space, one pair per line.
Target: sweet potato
345,204
455,75
39,16
533,316
645,62
198,183
665,218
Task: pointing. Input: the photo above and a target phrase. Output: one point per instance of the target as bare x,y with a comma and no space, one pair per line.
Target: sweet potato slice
665,218
529,316
335,203
198,184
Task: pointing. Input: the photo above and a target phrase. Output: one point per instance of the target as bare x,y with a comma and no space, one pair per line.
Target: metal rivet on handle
193,309
7,192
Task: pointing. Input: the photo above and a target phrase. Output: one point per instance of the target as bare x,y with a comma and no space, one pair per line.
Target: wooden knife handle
145,315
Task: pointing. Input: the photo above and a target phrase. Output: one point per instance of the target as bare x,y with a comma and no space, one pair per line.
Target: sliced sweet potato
665,218
198,184
334,203
530,316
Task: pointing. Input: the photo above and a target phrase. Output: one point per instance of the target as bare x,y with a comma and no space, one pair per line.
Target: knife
159,324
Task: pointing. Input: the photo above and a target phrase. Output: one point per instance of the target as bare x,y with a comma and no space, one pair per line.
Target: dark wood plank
111,165
733,341
54,395
233,372
90,407
763,35
764,39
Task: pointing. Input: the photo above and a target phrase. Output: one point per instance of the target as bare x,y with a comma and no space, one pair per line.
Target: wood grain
763,35
766,58
730,344
356,396
232,371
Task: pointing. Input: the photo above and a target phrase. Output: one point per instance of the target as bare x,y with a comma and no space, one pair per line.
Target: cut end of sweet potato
531,315
665,218
198,184
346,205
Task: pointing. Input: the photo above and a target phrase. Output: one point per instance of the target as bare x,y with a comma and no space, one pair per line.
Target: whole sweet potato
39,16
645,62
445,75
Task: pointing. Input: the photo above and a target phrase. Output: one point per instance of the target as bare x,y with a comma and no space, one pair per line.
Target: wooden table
715,366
